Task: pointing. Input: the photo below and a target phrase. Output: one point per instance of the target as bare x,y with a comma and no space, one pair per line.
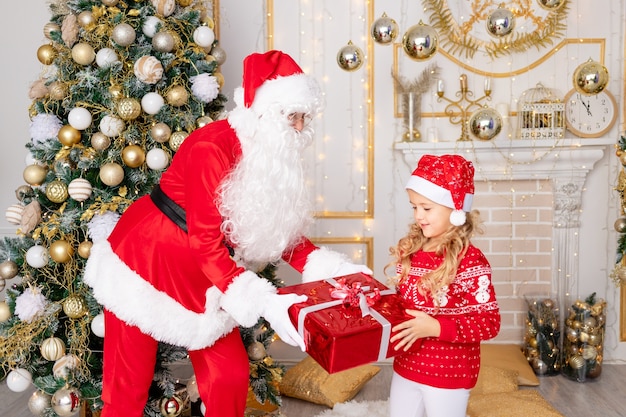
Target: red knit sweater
468,314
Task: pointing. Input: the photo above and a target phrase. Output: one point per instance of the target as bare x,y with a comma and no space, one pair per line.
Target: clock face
590,116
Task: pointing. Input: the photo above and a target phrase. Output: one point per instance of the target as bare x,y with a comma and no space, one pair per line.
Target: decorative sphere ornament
157,159
219,78
256,351
420,42
79,118
38,402
111,174
52,348
46,54
106,57
97,325
151,103
485,124
219,54
110,2
111,126
84,249
8,269
14,213
37,256
160,132
24,191
185,3
590,77
150,25
128,108
83,53
204,36
116,91
79,189
176,139
69,135
384,30
177,96
163,42
66,402
123,34
576,361
61,367
19,380
133,156
148,69
622,157
551,4
61,251
85,18
164,7
74,306
50,27
57,90
500,22
171,407
100,141
35,174
203,121
350,57
5,311
56,191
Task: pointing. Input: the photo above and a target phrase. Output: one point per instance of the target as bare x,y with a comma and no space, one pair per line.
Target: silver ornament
384,30
420,42
66,402
163,42
350,57
485,124
38,402
620,225
124,34
551,5
219,54
501,22
590,77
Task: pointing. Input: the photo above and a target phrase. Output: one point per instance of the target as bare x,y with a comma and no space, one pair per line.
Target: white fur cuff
246,297
322,264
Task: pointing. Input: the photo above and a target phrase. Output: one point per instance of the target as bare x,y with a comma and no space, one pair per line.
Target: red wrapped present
346,321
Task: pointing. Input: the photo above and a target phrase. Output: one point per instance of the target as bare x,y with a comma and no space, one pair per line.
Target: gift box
346,321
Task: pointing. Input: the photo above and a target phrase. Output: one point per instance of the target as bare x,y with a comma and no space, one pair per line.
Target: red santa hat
447,180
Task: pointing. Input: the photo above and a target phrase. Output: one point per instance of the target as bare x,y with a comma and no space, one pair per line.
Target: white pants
411,399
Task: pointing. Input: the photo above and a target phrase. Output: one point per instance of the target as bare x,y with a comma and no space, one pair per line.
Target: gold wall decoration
461,39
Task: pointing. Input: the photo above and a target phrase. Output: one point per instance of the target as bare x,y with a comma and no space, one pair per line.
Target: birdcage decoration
541,114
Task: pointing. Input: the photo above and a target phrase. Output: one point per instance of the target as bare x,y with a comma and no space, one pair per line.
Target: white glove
347,268
324,263
275,311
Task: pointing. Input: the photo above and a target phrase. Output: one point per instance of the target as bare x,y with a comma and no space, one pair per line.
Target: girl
447,281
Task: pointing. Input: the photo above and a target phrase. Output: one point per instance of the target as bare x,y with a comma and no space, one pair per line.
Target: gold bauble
185,3
74,306
177,96
50,27
61,251
160,132
384,30
133,156
171,407
110,2
420,42
576,361
57,90
163,42
124,34
100,141
256,351
24,191
207,20
203,121
35,174
111,174
86,18
219,78
83,53
177,139
350,57
56,191
5,312
116,91
52,349
590,77
622,158
69,136
485,124
128,108
84,249
46,54
8,269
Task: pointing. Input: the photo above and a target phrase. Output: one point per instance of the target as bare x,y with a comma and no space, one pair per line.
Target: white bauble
19,380
38,402
106,57
111,126
79,189
79,118
164,7
204,36
14,214
149,27
37,256
97,325
151,103
148,69
157,159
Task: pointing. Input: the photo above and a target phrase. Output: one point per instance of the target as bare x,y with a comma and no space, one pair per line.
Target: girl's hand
422,325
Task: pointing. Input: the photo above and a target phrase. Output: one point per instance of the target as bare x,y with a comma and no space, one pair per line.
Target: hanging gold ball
128,108
576,361
384,30
56,191
110,3
177,96
86,18
50,27
100,141
203,121
111,174
620,225
84,249
177,139
219,54
171,407
61,251
46,54
57,90
69,136
35,174
74,306
124,34
622,158
420,42
8,269
5,312
590,77
500,22
52,349
219,78
256,351
485,124
133,156
185,3
24,191
163,42
66,401
350,57
116,91
160,132
83,53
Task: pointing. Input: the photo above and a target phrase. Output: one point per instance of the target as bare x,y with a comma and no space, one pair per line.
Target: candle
487,85
432,134
440,86
411,110
463,80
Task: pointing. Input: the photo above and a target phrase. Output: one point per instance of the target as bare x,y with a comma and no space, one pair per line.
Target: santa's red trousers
222,372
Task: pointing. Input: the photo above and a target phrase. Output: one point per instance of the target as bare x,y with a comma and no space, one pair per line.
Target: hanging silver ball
501,22
485,124
350,57
420,42
384,30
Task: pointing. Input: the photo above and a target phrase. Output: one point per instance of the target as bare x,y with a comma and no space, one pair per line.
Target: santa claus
178,266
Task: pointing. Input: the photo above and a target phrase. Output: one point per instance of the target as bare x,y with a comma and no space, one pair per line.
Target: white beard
264,201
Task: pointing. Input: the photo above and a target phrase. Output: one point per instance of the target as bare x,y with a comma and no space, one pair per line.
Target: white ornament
151,103
106,57
37,256
148,69
14,214
204,36
79,118
38,402
97,325
111,126
79,189
164,7
19,380
157,159
150,25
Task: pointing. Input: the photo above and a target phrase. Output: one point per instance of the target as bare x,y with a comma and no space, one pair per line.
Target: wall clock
590,116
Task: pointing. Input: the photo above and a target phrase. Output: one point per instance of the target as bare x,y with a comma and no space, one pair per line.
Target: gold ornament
203,121
148,69
56,191
622,158
110,3
420,42
551,4
177,139
66,401
52,349
116,91
500,22
83,53
128,108
111,174
163,42
61,251
219,54
350,57
576,362
69,136
8,269
85,19
123,34
620,225
50,27
160,132
74,306
219,78
84,249
256,351
35,174
46,54
57,90
164,7
133,156
24,191
100,141
590,78
185,3
485,124
5,312
171,407
384,30
177,96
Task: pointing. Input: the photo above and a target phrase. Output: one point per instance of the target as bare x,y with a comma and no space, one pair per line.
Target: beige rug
358,409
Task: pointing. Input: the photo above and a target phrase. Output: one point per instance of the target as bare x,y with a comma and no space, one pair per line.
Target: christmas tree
123,85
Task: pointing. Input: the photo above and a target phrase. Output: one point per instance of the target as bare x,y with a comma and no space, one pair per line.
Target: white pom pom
458,217
205,87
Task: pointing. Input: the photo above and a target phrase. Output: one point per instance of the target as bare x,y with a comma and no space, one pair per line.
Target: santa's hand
275,311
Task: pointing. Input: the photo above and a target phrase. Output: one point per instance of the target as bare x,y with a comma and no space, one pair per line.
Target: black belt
169,207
